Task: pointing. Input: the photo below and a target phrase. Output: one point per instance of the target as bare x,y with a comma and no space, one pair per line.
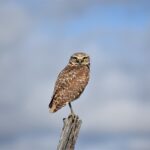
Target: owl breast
70,84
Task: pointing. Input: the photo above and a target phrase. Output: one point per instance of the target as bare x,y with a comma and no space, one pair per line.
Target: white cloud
15,23
31,142
123,115
139,143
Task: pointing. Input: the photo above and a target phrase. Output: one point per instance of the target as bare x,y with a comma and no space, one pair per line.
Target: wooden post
69,132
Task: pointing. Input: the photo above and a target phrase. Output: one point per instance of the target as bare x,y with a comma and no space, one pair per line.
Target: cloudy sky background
37,38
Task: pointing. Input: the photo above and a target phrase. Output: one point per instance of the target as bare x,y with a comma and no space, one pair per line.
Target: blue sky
36,41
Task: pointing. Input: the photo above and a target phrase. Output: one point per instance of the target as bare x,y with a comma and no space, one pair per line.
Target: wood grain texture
69,132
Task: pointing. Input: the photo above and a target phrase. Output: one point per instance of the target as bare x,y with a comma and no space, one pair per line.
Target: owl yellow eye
74,58
85,59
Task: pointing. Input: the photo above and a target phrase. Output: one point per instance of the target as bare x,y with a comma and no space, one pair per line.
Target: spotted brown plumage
71,81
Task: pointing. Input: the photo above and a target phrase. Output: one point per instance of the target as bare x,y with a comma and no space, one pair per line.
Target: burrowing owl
71,81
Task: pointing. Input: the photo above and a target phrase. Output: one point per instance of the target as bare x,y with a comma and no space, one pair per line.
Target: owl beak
80,61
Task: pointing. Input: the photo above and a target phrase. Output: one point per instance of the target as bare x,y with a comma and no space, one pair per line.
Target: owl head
79,59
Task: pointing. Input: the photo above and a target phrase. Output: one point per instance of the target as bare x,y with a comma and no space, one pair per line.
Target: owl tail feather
52,107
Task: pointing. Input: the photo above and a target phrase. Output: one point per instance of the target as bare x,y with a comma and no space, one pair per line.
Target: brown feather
70,83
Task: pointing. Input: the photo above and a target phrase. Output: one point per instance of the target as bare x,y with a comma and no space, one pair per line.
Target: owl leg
71,108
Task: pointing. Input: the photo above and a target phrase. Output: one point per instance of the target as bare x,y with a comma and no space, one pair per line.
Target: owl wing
69,86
